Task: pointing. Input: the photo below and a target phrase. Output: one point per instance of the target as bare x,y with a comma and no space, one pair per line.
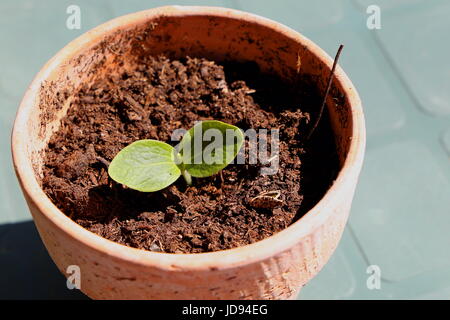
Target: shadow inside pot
27,271
321,165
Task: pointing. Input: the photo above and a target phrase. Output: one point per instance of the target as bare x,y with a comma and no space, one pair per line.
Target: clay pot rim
224,259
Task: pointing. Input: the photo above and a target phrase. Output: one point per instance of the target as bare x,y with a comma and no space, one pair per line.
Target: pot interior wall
212,37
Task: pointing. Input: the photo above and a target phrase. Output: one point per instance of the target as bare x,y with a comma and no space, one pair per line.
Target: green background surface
400,218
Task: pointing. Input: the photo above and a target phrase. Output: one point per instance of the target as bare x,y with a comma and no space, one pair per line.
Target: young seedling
151,165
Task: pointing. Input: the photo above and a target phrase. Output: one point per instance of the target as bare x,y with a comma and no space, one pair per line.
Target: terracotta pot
275,268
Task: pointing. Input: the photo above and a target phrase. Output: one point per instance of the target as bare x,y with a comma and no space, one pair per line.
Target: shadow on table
26,269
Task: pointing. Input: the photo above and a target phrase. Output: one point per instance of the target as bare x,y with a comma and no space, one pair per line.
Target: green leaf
145,165
209,147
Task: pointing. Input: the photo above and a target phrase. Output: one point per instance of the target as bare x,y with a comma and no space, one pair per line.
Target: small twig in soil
103,160
330,80
240,185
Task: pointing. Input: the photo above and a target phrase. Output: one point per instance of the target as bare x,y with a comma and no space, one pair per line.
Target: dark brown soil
215,213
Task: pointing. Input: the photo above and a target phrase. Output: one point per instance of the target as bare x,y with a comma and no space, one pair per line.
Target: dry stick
103,160
330,80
